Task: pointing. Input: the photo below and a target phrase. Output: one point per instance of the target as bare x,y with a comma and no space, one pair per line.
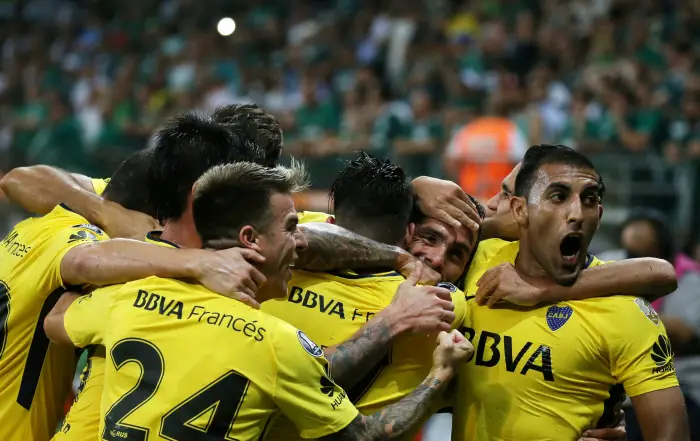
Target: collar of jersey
154,237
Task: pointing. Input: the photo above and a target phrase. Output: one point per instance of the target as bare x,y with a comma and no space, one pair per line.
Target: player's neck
183,234
529,267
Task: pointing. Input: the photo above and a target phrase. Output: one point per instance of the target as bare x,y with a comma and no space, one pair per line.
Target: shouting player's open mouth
570,248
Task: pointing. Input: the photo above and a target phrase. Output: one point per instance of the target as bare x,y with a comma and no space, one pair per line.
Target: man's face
444,248
639,240
499,205
279,244
559,219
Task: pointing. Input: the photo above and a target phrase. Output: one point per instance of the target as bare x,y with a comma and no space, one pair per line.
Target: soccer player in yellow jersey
551,372
175,164
42,256
267,366
373,198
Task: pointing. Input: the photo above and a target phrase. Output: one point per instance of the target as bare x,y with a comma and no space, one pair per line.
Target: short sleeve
641,358
480,262
87,318
304,391
62,240
306,217
99,185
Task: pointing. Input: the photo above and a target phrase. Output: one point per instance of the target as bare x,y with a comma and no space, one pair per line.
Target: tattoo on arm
393,421
333,248
351,360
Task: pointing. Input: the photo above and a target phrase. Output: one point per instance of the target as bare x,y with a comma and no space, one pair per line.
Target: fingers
429,276
257,277
247,300
608,434
444,339
462,202
251,256
456,217
485,286
440,293
415,275
493,295
457,336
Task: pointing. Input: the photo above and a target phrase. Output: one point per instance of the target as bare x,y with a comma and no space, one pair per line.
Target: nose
435,260
575,215
300,241
492,204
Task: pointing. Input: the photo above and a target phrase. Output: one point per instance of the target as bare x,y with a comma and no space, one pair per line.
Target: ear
410,230
600,214
330,220
518,207
249,238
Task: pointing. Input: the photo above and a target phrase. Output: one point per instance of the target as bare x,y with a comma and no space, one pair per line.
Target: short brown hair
228,197
260,125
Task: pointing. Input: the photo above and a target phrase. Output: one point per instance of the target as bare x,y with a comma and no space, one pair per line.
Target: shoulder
488,248
618,312
285,337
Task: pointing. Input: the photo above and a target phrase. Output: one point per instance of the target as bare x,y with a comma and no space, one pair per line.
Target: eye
457,256
557,197
590,199
429,238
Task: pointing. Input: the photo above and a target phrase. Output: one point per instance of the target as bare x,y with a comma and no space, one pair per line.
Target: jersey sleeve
63,240
87,318
641,358
99,185
459,299
304,391
480,262
306,217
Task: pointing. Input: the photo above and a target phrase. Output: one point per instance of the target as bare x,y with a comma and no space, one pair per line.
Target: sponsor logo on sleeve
448,286
648,310
309,346
90,227
81,236
662,355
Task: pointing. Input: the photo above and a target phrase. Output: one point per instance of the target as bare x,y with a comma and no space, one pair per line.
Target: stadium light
226,26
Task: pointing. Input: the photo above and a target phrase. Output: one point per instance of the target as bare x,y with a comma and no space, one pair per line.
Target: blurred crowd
82,85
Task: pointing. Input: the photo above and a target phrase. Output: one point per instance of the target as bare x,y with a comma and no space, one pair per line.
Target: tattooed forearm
334,248
351,360
396,420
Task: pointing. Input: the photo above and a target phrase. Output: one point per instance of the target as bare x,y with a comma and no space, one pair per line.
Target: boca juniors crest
557,316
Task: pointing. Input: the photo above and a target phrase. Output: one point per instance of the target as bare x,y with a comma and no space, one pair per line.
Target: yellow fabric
99,185
82,423
330,308
199,349
312,216
545,373
35,376
479,264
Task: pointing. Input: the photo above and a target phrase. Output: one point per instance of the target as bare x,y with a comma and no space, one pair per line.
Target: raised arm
397,420
331,247
644,277
227,272
662,415
39,188
414,308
